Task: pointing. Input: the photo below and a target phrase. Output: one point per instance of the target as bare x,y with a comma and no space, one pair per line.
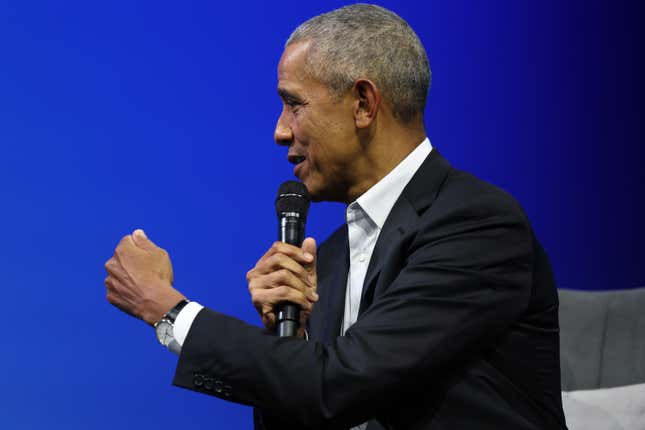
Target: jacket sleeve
466,277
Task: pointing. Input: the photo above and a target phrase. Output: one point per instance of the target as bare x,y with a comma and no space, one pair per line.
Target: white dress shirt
365,218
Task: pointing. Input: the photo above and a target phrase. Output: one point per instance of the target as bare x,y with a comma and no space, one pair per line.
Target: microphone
291,206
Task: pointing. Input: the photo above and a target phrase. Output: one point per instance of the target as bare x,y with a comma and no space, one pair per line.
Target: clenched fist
285,273
140,278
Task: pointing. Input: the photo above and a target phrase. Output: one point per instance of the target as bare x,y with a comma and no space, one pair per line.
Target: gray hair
368,41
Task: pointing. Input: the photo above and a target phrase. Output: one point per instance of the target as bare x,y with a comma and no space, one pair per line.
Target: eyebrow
286,95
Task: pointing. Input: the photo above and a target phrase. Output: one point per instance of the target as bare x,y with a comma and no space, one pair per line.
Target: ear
368,98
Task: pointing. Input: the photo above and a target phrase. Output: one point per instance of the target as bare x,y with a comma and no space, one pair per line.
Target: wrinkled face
318,129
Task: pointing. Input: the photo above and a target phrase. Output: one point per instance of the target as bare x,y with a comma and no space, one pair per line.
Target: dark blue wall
125,114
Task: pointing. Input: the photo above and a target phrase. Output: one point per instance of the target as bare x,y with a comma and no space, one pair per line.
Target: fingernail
140,232
315,296
307,256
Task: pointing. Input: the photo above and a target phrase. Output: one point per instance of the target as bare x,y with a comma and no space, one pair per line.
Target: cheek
318,157
323,140
303,133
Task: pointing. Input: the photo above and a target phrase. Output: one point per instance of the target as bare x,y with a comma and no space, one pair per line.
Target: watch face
164,332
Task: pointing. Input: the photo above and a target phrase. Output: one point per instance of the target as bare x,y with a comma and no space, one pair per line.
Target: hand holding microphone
283,282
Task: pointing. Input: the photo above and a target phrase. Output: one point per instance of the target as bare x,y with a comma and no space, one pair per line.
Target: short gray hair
368,41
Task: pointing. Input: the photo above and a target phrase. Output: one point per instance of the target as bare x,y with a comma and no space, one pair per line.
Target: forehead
293,78
294,81
292,62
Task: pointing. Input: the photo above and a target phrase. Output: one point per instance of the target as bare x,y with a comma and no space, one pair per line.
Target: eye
293,104
290,101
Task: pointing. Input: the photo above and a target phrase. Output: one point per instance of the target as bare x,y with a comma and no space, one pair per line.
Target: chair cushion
623,360
618,408
582,325
602,338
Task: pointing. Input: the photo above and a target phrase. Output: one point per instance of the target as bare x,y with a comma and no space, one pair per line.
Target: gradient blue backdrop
125,114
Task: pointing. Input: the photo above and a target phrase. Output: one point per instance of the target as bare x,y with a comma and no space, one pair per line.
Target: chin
321,191
318,194
314,191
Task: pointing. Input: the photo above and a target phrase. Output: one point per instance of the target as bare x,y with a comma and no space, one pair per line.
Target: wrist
165,328
164,304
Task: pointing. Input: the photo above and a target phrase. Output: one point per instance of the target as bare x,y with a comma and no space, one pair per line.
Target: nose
283,135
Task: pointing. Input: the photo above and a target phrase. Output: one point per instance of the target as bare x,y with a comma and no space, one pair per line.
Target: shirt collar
377,202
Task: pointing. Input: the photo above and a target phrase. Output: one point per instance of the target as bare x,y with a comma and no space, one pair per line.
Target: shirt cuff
184,320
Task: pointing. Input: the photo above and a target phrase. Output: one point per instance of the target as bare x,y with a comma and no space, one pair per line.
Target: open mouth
296,159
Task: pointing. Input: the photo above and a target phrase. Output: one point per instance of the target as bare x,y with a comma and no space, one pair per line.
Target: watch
164,328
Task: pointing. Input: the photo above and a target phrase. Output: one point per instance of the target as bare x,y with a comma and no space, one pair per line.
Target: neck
383,151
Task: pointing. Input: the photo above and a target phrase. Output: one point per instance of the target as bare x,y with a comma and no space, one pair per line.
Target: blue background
125,114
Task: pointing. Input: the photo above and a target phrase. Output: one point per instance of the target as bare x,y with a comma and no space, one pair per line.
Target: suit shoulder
464,192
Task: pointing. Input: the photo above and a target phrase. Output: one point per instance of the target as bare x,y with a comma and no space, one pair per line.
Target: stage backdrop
159,115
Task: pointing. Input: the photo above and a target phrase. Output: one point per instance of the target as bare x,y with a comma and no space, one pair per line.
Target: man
433,308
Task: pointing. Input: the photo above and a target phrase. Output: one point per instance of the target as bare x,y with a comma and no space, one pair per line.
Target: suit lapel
334,286
402,221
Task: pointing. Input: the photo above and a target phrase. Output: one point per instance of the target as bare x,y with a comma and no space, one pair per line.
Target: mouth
296,159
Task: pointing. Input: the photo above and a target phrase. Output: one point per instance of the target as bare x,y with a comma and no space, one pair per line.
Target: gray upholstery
602,338
618,408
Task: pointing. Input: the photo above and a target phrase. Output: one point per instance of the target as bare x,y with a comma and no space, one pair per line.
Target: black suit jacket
457,327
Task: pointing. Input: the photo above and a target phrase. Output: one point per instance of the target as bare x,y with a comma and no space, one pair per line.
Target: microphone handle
288,319
291,230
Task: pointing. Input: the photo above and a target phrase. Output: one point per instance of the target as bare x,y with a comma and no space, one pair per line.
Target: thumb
141,240
309,245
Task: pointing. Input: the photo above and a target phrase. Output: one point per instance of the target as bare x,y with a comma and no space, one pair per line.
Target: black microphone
291,206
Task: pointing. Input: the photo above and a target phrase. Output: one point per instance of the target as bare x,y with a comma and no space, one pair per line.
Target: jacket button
227,390
198,380
208,384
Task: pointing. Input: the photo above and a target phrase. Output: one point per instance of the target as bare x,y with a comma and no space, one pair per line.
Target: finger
281,278
119,295
109,265
280,261
114,268
304,316
140,239
279,295
117,301
115,287
139,233
292,251
268,319
309,246
125,242
287,278
111,293
289,295
125,247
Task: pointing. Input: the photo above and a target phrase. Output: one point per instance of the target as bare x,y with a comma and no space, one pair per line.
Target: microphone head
292,197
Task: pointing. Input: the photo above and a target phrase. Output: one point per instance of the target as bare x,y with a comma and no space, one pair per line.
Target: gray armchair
602,353
602,338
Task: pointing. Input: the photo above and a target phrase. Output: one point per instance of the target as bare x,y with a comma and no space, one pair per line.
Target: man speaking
434,307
